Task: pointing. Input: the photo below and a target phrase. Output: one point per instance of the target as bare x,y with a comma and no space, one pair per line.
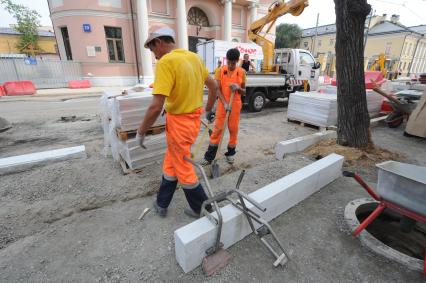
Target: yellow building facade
9,38
403,47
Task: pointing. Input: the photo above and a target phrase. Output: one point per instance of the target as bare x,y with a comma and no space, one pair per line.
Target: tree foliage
288,36
27,24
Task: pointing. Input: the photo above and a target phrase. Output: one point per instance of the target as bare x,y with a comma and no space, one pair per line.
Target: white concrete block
23,162
301,143
192,240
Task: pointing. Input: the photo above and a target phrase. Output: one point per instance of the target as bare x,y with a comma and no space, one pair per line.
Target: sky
411,12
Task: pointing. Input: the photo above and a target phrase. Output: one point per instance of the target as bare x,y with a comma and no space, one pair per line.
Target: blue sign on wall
30,61
87,28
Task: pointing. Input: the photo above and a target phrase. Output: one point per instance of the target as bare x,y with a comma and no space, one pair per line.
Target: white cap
163,31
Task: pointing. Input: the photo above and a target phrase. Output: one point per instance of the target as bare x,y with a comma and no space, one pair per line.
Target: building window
388,48
197,17
319,42
305,44
114,44
67,45
331,41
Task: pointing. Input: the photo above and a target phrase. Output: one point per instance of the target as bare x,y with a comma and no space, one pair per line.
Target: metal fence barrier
47,73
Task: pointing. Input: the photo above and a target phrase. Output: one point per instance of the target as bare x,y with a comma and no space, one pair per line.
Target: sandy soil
77,220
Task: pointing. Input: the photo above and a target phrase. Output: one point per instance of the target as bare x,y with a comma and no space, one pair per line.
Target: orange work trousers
181,133
233,122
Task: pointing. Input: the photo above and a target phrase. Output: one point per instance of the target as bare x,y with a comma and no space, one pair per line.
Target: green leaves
27,24
288,36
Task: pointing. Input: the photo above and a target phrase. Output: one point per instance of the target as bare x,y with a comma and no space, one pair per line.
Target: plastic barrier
376,76
386,106
79,84
2,92
19,88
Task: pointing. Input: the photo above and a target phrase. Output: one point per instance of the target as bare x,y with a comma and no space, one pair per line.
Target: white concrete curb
26,161
192,240
301,143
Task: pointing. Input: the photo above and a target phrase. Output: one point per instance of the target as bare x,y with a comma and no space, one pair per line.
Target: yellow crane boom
276,10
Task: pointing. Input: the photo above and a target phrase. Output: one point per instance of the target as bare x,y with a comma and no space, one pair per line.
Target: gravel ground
77,220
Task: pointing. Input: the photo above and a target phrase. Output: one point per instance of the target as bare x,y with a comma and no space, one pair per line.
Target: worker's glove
140,139
227,107
210,115
234,87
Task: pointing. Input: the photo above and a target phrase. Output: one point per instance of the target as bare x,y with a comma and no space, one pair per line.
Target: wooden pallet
304,124
125,135
126,169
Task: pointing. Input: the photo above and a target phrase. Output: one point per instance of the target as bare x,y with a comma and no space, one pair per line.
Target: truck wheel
256,101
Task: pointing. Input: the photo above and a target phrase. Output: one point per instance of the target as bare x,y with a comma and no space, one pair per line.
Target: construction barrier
19,88
79,84
386,107
376,76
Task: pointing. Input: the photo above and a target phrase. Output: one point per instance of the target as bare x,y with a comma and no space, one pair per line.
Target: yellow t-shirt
217,75
180,76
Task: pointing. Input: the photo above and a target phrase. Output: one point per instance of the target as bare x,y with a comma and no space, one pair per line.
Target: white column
182,25
227,30
253,11
145,54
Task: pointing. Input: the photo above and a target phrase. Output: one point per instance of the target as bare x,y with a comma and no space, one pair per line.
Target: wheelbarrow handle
363,184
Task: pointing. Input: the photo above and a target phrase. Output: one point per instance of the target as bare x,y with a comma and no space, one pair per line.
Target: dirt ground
78,221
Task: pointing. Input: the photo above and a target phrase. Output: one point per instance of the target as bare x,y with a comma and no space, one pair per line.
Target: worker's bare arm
213,92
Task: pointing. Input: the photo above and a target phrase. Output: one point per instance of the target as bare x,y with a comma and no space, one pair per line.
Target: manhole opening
396,231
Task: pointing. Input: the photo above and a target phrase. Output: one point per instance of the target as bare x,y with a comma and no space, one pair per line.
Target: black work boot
209,155
195,198
229,155
164,196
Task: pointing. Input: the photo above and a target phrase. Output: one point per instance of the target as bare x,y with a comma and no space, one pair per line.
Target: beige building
404,47
9,39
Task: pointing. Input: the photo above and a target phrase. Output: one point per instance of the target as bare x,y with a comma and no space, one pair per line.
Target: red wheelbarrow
401,187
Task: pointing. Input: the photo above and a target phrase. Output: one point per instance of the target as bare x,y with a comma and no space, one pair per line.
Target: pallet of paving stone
136,157
125,135
126,168
129,111
306,124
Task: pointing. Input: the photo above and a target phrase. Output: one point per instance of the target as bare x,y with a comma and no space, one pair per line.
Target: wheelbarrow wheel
394,119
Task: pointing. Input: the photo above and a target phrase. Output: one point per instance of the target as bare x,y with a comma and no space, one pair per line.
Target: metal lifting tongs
264,229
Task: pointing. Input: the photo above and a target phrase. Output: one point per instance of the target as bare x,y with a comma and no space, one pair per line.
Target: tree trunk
353,121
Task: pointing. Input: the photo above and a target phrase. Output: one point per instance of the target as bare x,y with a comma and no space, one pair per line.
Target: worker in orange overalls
230,78
180,76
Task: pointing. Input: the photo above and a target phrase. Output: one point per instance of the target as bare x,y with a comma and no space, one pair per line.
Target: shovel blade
215,262
215,170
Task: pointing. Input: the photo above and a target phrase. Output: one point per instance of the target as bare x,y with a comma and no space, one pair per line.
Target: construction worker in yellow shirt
180,77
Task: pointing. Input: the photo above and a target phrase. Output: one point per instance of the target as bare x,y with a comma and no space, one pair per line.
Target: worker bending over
179,80
230,78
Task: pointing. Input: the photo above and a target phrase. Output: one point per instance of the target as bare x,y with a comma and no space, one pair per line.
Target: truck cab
300,63
295,67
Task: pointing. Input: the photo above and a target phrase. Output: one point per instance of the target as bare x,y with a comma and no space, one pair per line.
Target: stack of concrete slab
319,109
129,110
126,112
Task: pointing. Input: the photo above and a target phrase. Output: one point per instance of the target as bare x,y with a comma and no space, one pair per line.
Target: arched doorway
196,17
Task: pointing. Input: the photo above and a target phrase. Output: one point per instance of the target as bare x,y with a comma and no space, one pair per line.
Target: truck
295,67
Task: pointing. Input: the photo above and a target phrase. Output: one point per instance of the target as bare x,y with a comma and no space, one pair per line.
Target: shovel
215,167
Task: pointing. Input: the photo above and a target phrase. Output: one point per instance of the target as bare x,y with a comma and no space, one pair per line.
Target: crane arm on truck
276,10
